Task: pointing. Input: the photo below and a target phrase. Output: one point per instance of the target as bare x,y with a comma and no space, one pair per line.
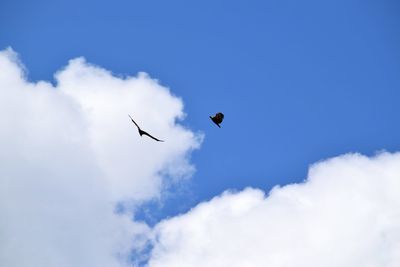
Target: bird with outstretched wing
141,132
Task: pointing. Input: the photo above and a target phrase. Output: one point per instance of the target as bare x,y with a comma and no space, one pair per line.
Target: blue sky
298,81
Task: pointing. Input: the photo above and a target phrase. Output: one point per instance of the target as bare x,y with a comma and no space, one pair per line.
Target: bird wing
134,121
149,135
217,118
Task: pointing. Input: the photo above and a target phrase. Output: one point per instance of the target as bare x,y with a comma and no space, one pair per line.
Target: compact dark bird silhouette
218,118
141,132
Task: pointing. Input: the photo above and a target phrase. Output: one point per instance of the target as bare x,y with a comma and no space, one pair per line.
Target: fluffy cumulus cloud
347,213
69,153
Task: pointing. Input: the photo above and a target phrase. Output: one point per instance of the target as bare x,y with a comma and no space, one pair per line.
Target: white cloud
347,213
69,152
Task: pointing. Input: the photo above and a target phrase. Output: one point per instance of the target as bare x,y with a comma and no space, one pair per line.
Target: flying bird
218,118
141,132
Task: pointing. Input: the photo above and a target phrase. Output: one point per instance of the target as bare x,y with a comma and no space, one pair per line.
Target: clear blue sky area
298,81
